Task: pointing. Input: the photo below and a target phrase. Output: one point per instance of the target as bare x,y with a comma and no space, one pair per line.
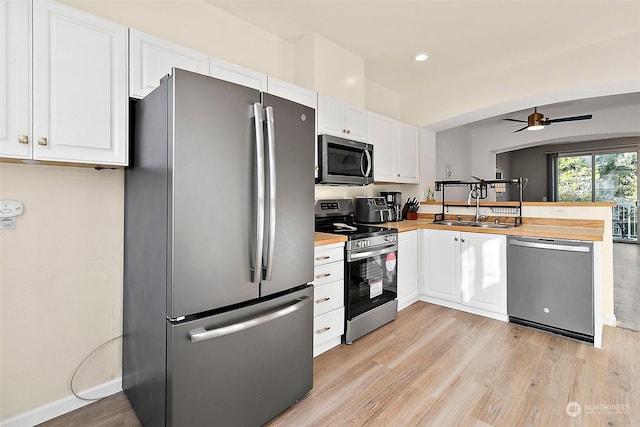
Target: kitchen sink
491,225
473,224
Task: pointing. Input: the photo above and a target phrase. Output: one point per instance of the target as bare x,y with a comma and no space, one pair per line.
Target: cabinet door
483,271
330,117
407,268
355,122
80,92
151,58
292,92
441,259
406,153
236,74
341,119
381,134
15,79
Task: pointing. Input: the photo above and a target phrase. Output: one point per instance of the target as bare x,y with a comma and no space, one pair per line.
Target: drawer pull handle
323,330
322,258
322,276
320,301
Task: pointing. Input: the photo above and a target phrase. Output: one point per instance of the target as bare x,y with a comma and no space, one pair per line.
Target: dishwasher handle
552,246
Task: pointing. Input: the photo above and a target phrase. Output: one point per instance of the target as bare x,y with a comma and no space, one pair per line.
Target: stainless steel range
371,267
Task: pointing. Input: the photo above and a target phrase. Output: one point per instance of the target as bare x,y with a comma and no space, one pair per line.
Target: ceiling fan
537,120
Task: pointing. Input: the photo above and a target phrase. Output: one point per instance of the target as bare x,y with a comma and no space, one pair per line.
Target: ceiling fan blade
570,119
515,120
521,129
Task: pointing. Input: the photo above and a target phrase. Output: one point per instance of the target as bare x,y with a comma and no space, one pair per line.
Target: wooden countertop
531,230
506,204
327,239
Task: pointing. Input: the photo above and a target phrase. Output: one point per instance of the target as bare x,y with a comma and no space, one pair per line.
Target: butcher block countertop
327,239
582,230
592,230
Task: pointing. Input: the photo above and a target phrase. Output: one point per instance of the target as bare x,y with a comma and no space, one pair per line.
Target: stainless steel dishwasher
550,285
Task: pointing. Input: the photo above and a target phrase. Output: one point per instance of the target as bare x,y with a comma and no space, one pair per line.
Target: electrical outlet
559,211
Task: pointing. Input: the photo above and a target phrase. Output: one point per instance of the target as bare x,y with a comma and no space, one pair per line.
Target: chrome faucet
476,194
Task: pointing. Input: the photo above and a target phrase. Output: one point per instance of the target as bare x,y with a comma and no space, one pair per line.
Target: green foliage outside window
616,177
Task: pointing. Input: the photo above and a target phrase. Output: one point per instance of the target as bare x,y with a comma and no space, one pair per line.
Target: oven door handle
354,256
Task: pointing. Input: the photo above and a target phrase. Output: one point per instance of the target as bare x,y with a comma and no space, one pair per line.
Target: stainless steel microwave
344,162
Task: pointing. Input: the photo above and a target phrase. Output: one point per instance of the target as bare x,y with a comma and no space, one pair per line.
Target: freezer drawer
242,367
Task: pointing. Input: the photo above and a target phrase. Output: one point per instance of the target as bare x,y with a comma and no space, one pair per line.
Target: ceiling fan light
535,127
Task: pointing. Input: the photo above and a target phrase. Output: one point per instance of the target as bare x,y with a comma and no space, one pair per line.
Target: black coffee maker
393,199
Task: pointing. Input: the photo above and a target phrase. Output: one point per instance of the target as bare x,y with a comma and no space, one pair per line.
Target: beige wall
329,69
60,282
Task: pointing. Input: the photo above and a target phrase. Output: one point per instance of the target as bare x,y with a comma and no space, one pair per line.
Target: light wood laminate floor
435,366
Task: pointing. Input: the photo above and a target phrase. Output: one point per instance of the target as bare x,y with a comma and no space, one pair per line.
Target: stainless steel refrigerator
218,254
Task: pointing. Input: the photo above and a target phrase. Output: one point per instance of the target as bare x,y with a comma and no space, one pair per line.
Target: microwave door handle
366,152
256,268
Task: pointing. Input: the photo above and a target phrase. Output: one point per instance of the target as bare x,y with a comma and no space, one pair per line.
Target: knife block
412,215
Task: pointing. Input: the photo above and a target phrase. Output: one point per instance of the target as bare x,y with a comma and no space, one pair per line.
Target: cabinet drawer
328,297
325,256
328,326
328,273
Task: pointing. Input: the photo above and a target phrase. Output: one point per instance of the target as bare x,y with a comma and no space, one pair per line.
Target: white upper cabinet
80,91
406,158
236,74
151,58
15,79
395,154
292,92
341,119
381,135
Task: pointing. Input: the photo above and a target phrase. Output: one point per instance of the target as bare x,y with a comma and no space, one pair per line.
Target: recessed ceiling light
420,57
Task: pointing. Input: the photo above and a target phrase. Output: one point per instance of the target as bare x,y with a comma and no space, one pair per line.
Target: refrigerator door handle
256,268
202,334
271,165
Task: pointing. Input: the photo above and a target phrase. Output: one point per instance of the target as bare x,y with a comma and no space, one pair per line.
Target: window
614,177
602,177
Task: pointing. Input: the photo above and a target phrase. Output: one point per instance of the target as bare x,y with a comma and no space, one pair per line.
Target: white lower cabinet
466,271
328,300
407,268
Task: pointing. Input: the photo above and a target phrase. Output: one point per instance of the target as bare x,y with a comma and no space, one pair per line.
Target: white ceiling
461,37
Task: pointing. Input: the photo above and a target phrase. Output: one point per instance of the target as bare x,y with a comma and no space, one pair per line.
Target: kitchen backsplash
334,192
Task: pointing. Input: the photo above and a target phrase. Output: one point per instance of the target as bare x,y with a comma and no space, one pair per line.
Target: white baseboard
62,406
609,320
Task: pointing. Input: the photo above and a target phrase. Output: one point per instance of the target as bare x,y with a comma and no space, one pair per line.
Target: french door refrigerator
218,254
